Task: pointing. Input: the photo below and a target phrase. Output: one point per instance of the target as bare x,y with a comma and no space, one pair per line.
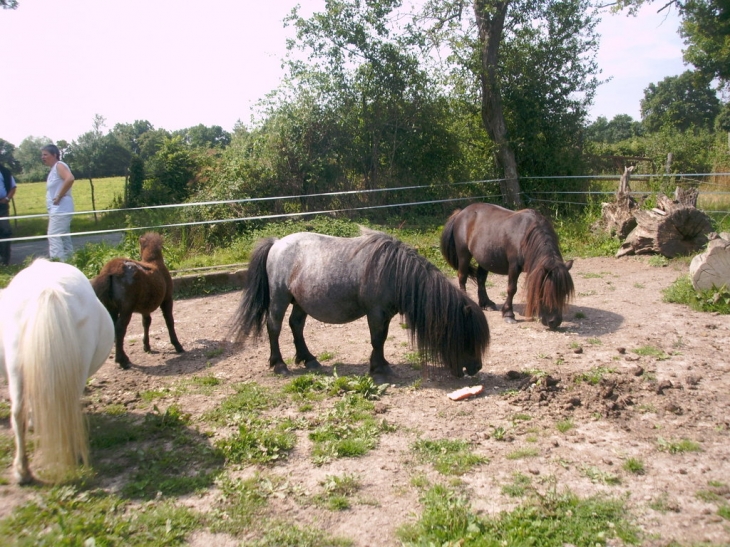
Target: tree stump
617,218
711,269
670,229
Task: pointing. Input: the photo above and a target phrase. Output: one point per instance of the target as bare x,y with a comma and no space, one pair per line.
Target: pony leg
120,331
296,323
508,313
484,302
18,421
166,308
146,322
273,327
379,322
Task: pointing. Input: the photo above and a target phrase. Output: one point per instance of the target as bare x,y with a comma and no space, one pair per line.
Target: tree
7,157
620,128
201,136
546,47
9,4
171,172
131,135
683,102
28,154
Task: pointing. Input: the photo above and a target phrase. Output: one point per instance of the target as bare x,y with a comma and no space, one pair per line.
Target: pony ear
569,264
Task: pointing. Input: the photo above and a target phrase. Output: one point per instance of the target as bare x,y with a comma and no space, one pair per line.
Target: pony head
549,289
150,247
472,324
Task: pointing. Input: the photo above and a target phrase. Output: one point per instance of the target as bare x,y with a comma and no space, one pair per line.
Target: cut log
617,218
711,269
674,230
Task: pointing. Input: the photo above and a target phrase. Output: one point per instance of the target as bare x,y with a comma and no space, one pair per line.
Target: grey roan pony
338,280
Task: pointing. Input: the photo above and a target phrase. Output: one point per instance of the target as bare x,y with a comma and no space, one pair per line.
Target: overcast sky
179,63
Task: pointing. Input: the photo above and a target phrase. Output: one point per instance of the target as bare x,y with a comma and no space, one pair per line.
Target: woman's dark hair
52,149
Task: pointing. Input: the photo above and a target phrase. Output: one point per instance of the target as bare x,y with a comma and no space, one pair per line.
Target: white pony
54,334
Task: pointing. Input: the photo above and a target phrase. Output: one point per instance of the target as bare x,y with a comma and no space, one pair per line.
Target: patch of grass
564,425
663,504
651,351
579,315
259,441
635,466
115,409
598,475
249,398
552,520
449,457
499,433
658,261
337,491
521,417
286,534
594,341
678,447
519,486
241,504
214,352
594,375
349,430
150,395
4,410
724,511
415,360
69,516
325,356
7,450
711,300
639,286
522,453
590,275
313,385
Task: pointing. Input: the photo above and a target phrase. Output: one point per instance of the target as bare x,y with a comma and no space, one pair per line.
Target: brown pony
507,243
126,286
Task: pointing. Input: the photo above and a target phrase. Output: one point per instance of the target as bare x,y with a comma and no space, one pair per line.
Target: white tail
53,379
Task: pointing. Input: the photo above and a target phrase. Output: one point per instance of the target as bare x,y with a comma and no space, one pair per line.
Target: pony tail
254,307
448,245
51,354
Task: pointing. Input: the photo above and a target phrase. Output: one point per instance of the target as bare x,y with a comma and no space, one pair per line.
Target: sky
180,63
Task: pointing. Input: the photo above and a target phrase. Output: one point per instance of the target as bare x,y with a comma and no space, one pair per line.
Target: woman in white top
60,203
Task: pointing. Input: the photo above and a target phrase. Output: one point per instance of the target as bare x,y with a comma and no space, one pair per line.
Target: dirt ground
643,401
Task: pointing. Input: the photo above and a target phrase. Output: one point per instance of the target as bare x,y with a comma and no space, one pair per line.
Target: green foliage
290,535
337,491
335,385
519,487
259,441
678,446
349,430
172,172
595,375
522,453
651,351
449,457
556,519
634,465
28,155
564,425
69,516
620,128
680,102
711,300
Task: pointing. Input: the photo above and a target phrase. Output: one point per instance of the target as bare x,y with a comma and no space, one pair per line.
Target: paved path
20,250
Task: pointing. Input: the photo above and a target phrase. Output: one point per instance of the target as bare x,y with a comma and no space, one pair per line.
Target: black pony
509,242
338,280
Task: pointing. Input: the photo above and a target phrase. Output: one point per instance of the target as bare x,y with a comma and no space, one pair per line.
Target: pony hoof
23,478
124,364
312,365
509,320
491,306
179,349
281,369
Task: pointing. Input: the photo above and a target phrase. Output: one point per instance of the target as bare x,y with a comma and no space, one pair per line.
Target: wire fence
713,202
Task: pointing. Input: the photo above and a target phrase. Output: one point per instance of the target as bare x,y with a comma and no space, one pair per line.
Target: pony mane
431,305
549,283
150,247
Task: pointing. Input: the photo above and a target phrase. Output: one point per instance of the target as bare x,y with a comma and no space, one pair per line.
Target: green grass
595,375
337,491
564,425
711,301
678,446
449,457
70,516
652,351
350,429
635,466
552,520
519,486
30,199
522,453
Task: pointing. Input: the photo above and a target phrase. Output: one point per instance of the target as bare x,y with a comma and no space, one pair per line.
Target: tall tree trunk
490,16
